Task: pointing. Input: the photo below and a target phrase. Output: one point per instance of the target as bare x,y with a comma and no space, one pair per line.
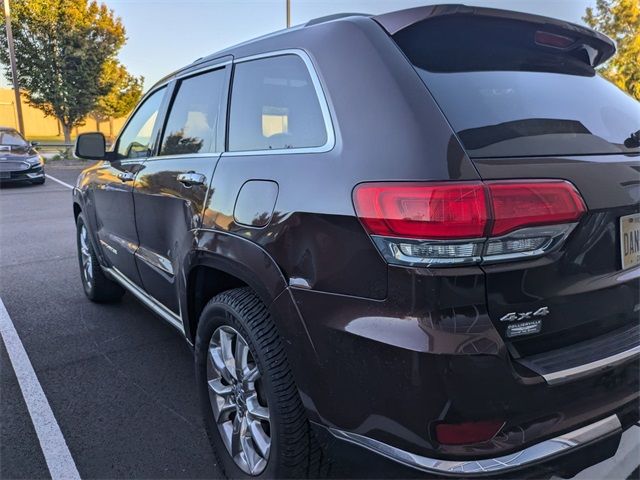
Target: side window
195,112
274,106
135,139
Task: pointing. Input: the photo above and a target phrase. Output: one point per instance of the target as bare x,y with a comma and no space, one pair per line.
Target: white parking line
54,447
59,181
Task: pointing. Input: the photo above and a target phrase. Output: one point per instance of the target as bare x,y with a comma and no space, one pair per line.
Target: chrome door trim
562,376
473,468
147,300
322,100
155,261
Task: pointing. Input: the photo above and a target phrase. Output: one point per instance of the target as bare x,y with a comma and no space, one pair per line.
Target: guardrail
52,150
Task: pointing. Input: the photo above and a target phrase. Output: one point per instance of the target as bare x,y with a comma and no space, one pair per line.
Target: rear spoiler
598,47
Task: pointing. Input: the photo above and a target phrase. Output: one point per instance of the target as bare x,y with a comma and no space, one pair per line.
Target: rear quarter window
274,106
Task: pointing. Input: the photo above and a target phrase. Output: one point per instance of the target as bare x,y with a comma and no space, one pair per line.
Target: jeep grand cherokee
412,235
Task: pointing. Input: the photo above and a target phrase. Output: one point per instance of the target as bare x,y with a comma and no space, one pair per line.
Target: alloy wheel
239,408
85,256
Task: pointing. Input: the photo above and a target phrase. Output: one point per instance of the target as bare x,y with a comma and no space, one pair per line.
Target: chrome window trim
320,95
184,74
198,71
472,468
151,303
562,376
114,147
212,155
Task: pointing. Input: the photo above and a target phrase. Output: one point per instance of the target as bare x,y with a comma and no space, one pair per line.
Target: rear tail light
467,433
467,222
437,211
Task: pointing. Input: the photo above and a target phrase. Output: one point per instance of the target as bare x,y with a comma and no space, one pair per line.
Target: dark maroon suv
410,239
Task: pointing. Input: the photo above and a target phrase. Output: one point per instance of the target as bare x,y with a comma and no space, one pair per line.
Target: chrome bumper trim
574,373
533,454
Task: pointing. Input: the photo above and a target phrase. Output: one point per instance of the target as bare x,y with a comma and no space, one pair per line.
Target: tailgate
582,286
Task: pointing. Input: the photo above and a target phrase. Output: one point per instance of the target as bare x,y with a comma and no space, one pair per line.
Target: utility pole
288,13
14,70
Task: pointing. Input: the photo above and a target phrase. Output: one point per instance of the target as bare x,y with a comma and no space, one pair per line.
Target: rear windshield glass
506,95
504,114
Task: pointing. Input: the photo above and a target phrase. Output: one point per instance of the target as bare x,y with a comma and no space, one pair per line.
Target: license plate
630,240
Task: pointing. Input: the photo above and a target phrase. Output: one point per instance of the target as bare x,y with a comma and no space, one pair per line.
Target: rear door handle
190,179
126,176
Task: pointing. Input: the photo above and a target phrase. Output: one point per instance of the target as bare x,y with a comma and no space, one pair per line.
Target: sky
164,35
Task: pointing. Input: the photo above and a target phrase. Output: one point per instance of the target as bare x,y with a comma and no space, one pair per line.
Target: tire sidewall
213,316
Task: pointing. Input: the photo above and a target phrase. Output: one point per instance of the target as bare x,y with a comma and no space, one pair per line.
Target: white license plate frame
630,240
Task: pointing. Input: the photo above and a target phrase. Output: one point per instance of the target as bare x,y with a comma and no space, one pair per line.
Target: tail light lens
467,222
437,211
516,205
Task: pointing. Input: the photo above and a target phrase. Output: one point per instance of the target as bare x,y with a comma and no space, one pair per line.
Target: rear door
113,183
171,189
523,97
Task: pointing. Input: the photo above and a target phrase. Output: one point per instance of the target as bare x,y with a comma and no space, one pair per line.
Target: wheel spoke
256,410
242,353
226,340
219,388
260,438
252,375
215,354
236,446
222,409
250,454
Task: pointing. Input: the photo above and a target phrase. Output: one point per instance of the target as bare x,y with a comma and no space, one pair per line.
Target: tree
620,20
62,47
124,93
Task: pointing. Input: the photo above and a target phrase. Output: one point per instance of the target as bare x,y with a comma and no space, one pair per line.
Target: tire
293,451
97,287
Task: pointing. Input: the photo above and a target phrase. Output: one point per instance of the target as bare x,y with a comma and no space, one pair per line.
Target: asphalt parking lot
119,382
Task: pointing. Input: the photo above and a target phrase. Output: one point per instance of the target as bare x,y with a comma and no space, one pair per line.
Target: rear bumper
390,370
536,454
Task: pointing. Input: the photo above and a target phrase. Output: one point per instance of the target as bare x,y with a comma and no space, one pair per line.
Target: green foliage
124,92
62,47
620,20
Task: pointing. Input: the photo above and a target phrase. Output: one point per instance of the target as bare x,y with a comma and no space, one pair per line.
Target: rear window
506,96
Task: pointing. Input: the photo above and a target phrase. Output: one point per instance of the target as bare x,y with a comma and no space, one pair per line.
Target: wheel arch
77,210
221,262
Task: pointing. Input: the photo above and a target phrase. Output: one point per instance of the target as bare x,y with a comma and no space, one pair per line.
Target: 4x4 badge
517,316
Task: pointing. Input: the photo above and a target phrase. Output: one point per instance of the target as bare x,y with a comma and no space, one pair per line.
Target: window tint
274,106
193,119
503,114
135,139
507,93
